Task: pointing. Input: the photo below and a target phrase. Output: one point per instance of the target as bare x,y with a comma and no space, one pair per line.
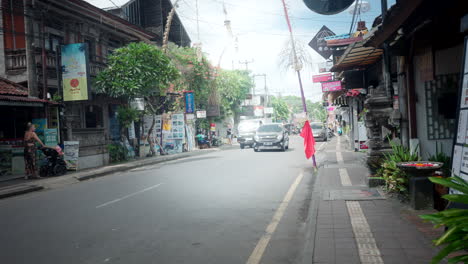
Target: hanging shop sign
331,86
75,73
189,102
201,114
343,41
328,7
190,116
322,78
460,148
319,44
258,111
213,127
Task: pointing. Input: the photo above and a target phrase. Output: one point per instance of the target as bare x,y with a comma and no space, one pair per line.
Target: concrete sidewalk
357,224
21,186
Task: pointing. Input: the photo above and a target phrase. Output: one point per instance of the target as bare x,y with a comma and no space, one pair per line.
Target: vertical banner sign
460,149
75,74
189,102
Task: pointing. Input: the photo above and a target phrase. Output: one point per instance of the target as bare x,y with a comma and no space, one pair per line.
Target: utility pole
246,62
265,103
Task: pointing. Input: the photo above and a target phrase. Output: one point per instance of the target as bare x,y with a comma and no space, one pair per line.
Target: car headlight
256,138
279,137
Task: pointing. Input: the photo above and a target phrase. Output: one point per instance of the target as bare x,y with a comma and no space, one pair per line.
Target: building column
30,57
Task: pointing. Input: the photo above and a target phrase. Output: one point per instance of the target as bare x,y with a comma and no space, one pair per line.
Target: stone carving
377,117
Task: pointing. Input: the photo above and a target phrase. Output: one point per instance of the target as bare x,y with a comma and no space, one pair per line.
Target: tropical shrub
455,238
117,152
396,180
440,156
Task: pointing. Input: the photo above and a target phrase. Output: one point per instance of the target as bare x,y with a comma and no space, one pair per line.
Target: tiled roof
24,99
8,87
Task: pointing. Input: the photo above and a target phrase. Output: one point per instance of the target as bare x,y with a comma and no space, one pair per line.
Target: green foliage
197,76
136,70
233,87
395,179
317,112
440,156
117,152
127,115
56,97
281,109
455,238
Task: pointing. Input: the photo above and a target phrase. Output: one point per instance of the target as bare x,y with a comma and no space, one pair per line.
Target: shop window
93,117
441,102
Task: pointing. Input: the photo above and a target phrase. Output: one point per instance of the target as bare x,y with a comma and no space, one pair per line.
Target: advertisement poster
331,86
50,137
71,154
131,131
189,102
464,95
74,72
462,122
40,124
201,114
464,161
322,78
177,127
457,156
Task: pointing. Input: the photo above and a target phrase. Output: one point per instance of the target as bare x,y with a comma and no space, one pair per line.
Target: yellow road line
257,253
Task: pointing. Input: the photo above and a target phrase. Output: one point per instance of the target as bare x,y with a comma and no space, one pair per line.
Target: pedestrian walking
229,136
30,139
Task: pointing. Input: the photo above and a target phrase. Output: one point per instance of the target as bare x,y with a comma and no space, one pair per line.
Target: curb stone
24,188
18,190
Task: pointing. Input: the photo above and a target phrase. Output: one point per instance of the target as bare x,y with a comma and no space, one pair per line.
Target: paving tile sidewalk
364,228
21,186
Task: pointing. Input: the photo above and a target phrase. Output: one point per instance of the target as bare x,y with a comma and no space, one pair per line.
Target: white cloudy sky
261,30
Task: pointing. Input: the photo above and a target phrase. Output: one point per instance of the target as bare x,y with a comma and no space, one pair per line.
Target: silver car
247,130
271,136
319,130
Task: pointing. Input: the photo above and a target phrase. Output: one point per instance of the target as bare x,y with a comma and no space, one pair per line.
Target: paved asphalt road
213,208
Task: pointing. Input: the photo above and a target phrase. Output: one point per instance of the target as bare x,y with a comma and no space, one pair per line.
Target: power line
280,14
114,4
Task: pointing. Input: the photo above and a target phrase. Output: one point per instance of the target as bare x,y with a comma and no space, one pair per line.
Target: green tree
137,70
233,87
280,108
197,73
317,112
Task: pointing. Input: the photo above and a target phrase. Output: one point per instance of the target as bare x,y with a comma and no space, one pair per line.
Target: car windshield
316,126
248,125
270,128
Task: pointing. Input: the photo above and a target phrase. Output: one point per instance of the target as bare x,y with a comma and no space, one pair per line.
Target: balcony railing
16,60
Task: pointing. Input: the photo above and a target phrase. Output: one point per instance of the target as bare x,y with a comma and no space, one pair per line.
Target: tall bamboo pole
297,64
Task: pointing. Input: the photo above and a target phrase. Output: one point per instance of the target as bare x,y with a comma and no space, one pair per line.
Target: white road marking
368,250
130,195
257,253
320,147
344,177
339,157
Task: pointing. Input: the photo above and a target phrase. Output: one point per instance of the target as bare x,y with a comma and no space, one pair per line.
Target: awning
10,100
394,18
357,56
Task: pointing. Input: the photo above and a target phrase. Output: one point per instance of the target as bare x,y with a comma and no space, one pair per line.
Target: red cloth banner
309,141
